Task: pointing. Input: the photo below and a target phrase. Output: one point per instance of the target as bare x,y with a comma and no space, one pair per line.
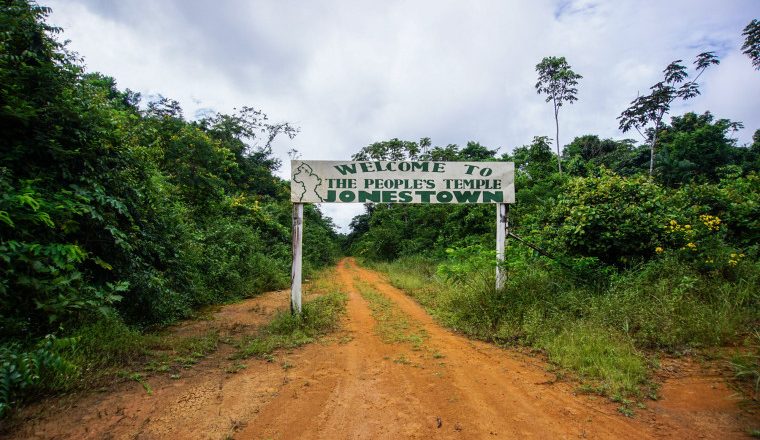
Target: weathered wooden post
295,273
502,232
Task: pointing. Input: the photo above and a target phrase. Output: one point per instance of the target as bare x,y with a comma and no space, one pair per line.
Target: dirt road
354,385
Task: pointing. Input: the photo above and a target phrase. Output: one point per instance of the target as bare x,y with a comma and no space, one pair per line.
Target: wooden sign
321,181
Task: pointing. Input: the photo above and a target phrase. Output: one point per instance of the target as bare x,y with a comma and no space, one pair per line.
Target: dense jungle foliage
119,215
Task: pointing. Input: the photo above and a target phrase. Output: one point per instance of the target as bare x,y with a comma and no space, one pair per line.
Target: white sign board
322,181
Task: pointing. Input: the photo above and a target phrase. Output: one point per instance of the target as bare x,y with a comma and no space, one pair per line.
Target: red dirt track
352,385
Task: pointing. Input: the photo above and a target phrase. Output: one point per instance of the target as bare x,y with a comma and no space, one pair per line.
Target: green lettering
367,196
444,197
467,196
347,196
365,167
425,196
490,196
420,166
389,196
346,168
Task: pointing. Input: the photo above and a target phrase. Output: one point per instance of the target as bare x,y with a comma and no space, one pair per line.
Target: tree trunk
556,124
651,148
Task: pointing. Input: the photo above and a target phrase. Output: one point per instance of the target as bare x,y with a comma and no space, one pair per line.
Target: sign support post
502,232
295,273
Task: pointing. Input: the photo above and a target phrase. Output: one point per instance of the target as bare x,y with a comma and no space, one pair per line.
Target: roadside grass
105,349
607,336
108,349
320,315
173,354
393,326
594,355
746,366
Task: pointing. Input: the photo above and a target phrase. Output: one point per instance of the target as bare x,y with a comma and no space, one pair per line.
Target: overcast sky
350,73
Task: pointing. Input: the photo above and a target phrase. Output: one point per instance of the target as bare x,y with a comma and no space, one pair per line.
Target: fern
22,371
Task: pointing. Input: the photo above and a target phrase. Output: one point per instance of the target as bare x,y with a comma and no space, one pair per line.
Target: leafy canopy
557,81
751,46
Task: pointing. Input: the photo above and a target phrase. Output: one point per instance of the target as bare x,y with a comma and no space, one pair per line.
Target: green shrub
612,218
116,215
23,371
105,343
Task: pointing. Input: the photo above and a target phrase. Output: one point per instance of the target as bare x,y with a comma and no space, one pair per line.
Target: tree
648,110
534,160
695,147
452,152
751,46
586,153
475,151
394,149
557,80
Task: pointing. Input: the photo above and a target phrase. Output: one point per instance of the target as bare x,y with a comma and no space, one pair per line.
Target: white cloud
352,73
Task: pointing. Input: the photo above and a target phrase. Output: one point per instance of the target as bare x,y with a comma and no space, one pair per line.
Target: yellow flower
732,262
691,245
687,226
712,222
659,250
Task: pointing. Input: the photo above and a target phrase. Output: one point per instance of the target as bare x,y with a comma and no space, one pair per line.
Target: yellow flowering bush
701,241
710,221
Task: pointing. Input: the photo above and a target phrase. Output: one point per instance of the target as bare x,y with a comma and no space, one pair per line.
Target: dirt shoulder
359,383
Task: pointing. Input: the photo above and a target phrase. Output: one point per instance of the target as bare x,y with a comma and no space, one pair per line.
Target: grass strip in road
393,326
320,315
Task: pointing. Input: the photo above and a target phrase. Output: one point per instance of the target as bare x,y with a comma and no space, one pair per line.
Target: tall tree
646,112
557,80
751,46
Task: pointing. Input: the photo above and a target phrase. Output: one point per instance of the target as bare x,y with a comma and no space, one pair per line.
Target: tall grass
601,331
